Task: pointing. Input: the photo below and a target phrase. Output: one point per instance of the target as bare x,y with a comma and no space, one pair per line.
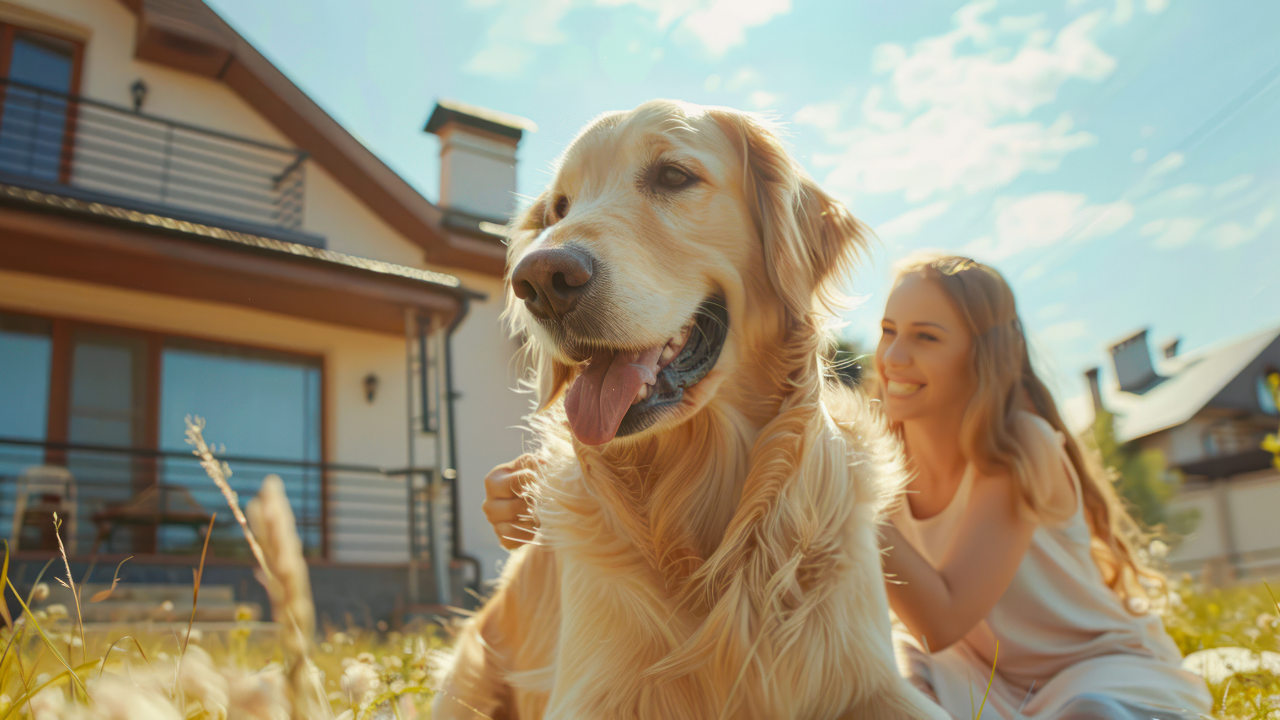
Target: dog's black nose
552,280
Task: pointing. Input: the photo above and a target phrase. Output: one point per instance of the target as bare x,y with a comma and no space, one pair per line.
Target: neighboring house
1207,411
183,231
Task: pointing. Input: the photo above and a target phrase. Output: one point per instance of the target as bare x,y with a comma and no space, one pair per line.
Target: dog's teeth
643,395
668,354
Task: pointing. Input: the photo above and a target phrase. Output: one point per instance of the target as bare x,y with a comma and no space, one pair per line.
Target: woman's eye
561,207
887,331
673,177
926,336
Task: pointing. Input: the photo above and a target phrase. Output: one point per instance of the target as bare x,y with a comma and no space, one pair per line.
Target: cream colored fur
724,562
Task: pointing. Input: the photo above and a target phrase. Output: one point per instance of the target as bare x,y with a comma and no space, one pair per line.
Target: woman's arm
941,606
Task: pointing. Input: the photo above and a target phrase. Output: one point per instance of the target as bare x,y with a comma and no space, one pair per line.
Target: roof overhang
66,237
190,36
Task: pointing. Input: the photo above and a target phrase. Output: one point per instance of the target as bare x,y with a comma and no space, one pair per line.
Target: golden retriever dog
709,502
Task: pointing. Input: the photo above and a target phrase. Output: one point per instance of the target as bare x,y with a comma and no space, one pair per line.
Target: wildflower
244,613
48,704
382,626
360,678
1267,620
1158,549
340,639
195,636
41,592
55,611
167,606
367,657
200,681
115,698
393,662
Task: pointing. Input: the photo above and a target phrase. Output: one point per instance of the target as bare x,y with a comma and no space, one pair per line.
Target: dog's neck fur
674,495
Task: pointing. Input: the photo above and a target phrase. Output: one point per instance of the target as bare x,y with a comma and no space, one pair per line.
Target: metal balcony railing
50,138
130,501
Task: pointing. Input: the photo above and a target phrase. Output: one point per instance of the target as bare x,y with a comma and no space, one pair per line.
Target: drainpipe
456,527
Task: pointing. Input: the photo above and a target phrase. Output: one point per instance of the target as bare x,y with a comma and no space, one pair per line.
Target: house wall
488,410
1237,522
356,432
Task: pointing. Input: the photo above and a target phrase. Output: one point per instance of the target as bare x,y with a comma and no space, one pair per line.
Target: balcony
98,152
156,505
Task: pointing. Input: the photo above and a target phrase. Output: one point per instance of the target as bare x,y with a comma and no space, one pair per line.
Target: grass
51,667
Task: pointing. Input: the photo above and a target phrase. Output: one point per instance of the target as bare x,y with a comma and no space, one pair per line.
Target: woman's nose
896,355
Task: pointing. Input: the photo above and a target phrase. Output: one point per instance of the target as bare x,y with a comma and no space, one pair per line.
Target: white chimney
477,163
1091,375
1132,359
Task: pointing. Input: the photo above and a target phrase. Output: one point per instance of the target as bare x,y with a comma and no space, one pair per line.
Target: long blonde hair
1006,383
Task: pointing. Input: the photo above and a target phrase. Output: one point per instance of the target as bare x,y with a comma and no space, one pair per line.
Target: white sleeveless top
1060,628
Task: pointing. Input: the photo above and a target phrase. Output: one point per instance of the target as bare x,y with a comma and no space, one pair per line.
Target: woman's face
923,356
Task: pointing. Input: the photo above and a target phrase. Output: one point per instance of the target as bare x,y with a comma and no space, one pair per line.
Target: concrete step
153,593
151,602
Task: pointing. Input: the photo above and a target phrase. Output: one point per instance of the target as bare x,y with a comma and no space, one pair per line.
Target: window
36,120
259,404
25,352
99,388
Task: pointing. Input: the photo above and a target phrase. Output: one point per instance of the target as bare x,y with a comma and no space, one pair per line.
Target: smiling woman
1009,551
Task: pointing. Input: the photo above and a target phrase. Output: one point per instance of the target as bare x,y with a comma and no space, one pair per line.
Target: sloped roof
1192,381
190,36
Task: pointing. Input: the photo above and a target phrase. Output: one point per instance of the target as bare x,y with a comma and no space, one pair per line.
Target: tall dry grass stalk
218,472
288,583
272,533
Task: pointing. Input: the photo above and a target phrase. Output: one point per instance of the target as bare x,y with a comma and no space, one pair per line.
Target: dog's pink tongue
603,392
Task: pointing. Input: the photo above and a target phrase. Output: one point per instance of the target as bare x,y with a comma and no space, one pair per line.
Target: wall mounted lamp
370,387
138,90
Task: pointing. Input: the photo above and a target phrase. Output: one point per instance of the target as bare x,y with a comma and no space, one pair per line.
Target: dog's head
677,251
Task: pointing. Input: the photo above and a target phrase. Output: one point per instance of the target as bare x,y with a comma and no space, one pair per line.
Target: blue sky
1117,160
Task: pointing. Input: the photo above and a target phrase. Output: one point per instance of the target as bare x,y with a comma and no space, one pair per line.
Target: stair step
132,611
152,593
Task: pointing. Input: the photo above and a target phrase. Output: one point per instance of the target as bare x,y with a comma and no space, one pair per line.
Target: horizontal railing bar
109,143
182,455
80,100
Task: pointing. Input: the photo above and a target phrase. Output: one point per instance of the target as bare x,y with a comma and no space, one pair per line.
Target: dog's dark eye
561,207
673,178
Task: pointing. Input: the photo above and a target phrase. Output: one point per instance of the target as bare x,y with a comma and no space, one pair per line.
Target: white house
183,231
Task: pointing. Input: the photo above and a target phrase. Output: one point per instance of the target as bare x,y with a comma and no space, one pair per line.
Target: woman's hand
504,503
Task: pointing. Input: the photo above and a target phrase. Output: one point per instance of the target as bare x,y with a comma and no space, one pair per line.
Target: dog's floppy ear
549,375
808,236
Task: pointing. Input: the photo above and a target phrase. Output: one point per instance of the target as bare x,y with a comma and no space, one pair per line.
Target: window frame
8,33
62,328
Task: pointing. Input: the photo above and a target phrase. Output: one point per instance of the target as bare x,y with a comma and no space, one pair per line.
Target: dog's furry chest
629,645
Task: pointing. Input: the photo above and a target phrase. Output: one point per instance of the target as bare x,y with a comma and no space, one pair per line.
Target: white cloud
1139,155
1049,312
1166,164
1180,194
744,77
521,26
1172,233
761,99
1043,219
824,116
1233,186
1230,234
712,83
910,222
1155,7
952,113
1064,331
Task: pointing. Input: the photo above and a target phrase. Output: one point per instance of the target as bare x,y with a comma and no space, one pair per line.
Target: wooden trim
59,402
147,470
162,262
326,426
73,114
79,321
